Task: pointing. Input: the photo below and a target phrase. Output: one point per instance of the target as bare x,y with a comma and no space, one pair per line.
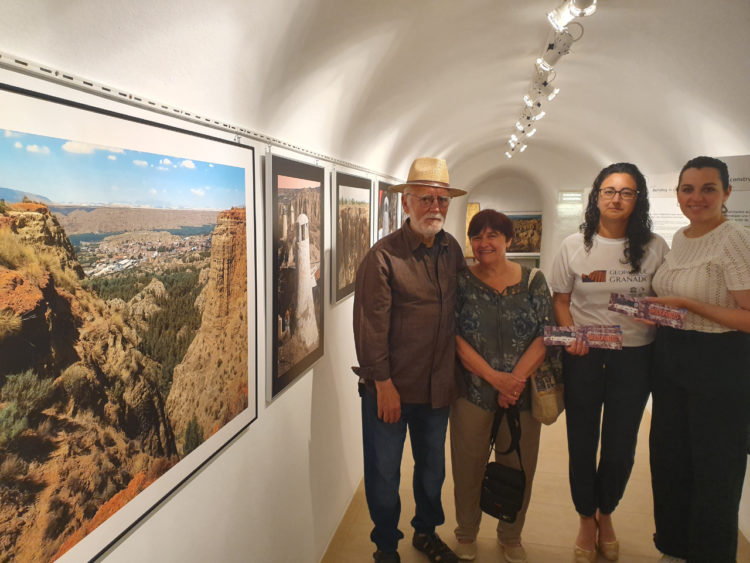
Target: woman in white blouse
701,394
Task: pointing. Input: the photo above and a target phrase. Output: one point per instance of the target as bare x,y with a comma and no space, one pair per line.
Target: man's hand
389,401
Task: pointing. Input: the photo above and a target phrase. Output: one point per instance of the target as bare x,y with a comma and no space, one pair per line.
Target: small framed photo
388,211
296,273
352,217
527,233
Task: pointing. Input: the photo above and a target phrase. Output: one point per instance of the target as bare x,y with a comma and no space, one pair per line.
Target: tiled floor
551,523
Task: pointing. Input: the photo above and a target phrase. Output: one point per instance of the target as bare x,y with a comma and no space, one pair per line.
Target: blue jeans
383,449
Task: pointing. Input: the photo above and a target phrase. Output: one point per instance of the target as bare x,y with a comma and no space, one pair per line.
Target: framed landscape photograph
353,195
387,216
527,233
127,338
296,273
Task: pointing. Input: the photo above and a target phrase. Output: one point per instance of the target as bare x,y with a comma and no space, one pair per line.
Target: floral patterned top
500,326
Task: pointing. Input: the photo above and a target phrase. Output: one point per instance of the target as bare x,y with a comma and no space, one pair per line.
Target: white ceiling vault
377,83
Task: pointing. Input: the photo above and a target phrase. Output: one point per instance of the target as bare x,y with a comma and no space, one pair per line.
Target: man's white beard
428,229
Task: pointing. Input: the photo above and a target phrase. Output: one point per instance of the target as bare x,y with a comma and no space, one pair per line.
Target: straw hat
429,172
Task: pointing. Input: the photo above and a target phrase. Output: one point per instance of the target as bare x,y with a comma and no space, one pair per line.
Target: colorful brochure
643,309
595,336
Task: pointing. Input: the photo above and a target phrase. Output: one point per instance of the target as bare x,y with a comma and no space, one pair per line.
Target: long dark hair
639,227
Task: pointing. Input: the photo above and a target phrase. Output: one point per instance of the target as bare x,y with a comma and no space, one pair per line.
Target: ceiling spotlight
550,91
534,112
522,147
560,46
508,154
561,16
526,123
541,89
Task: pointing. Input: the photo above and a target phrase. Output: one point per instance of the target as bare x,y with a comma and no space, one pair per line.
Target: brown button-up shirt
404,316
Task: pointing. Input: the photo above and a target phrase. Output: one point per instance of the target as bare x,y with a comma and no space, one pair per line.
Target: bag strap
514,424
513,415
532,274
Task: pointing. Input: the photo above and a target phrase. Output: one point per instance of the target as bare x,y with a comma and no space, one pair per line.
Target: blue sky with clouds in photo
68,171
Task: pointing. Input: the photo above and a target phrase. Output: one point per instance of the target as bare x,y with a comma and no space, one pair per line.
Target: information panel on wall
665,211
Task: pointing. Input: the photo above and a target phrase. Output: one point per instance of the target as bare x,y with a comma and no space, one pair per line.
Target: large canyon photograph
123,328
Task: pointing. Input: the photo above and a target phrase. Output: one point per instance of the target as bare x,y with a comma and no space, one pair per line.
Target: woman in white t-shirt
616,252
701,394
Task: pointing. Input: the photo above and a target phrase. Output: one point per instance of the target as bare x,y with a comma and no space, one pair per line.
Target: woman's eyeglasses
625,193
427,201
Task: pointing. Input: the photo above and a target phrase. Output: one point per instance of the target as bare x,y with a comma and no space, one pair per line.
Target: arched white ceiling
377,83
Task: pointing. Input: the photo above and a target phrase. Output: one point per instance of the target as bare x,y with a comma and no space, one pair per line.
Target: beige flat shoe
514,553
584,555
610,550
466,551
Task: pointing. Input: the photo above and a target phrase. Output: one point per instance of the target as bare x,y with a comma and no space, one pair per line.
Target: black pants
701,408
616,382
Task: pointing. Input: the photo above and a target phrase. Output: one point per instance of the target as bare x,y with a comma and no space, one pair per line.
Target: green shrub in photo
30,393
76,384
12,423
9,323
193,436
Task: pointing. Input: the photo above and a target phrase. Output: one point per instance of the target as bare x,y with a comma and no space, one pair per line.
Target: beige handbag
547,391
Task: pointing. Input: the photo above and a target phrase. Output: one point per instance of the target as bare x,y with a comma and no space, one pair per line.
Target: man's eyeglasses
625,193
427,201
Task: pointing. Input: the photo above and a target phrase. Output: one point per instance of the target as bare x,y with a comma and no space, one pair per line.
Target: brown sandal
434,548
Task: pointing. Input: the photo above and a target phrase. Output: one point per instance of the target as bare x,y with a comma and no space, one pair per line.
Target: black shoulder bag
503,487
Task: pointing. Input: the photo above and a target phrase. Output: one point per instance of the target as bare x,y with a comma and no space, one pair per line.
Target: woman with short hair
501,312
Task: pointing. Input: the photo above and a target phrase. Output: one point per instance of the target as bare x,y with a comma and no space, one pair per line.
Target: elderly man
404,334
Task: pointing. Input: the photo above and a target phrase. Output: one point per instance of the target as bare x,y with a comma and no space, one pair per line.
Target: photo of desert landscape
352,231
298,271
472,208
527,233
387,211
123,328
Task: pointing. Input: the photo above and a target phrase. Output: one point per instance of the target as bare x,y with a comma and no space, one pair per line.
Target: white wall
512,192
506,193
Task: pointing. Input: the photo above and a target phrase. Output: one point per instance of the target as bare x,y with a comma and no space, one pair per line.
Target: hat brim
399,188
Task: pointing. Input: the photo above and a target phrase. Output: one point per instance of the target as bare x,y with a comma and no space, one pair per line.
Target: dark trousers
616,382
383,448
701,408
